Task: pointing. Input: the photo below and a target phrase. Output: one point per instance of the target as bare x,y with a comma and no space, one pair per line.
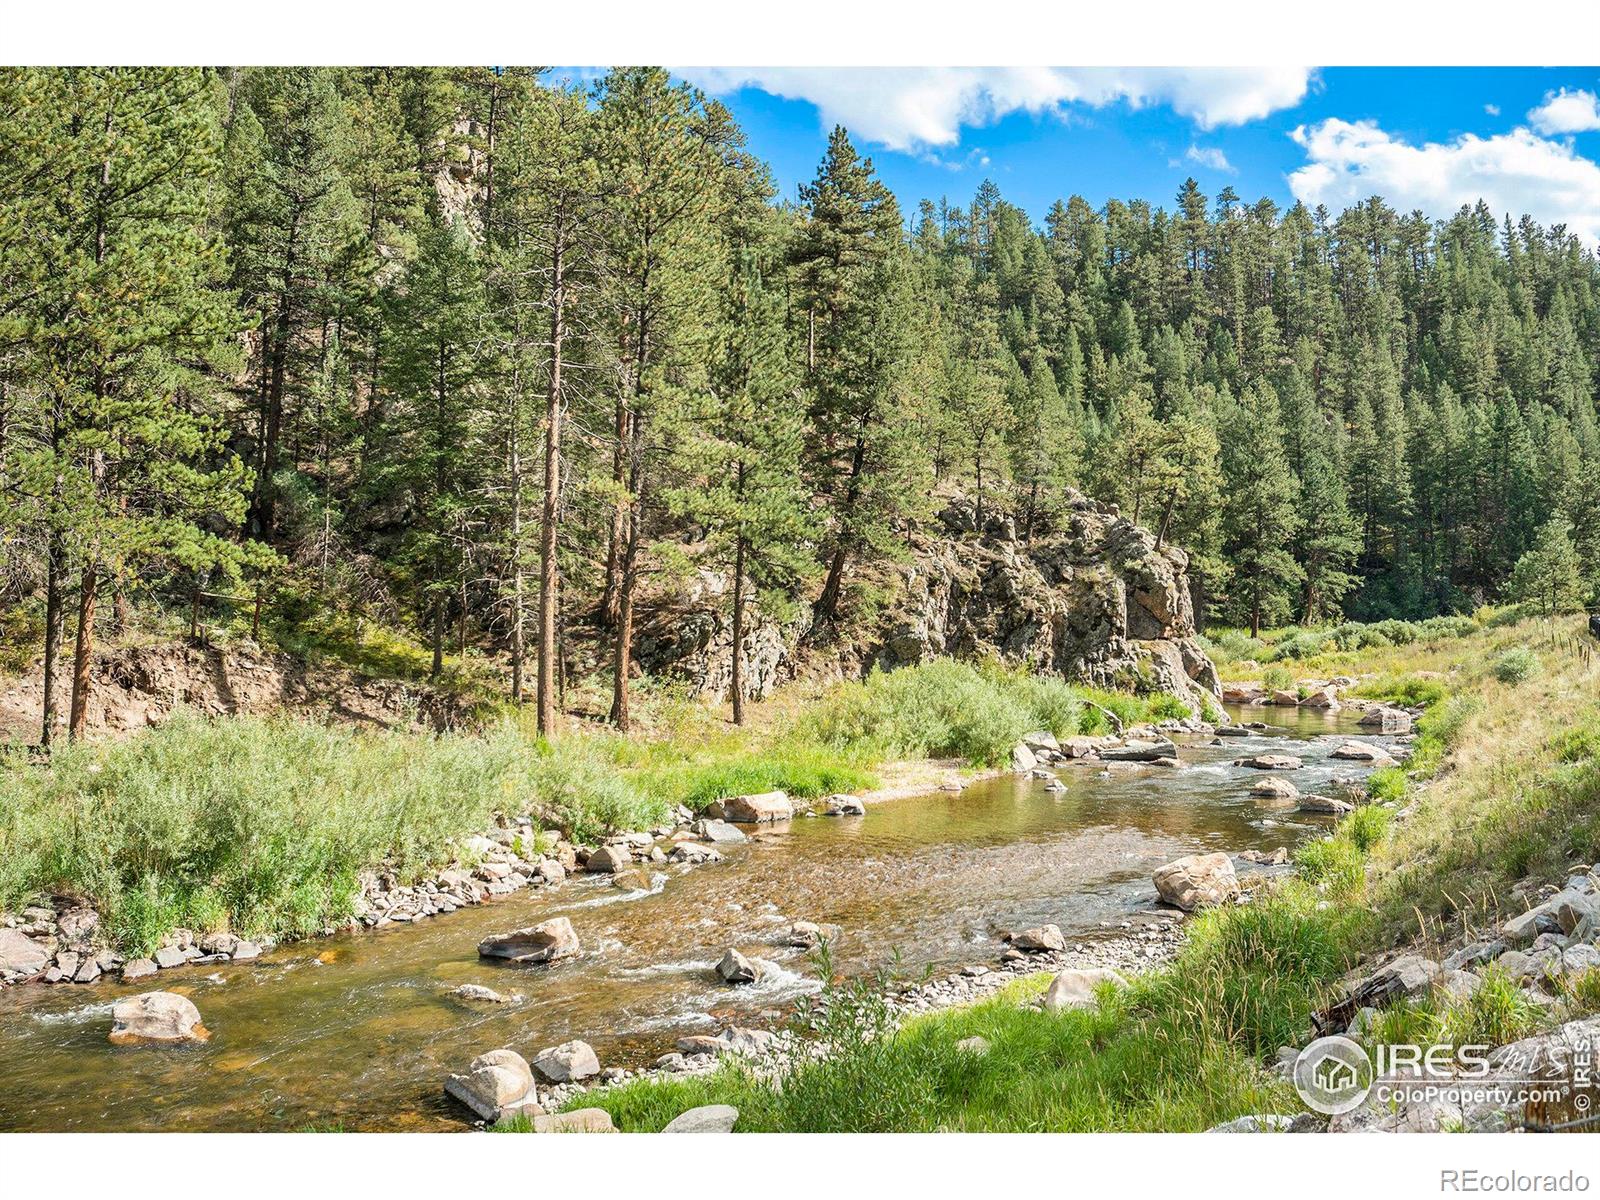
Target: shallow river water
358,1030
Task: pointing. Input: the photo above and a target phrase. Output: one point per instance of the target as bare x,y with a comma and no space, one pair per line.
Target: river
357,1031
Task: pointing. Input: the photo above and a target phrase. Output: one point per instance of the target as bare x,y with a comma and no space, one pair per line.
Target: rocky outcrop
1095,600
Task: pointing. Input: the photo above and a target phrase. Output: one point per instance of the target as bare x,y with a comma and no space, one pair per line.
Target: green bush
1516,665
1278,679
1366,827
1408,690
940,709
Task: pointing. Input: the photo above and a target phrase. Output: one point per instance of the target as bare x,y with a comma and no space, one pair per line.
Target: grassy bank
1504,785
262,826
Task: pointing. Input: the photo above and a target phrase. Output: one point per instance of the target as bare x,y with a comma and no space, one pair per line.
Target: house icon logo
1333,1075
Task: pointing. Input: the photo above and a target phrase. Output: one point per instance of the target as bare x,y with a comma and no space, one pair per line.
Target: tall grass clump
263,825
940,709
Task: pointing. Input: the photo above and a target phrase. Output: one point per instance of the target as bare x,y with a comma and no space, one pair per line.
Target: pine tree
1259,518
437,327
1549,577
747,487
123,327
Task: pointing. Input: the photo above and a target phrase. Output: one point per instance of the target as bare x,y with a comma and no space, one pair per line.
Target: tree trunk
828,603
55,619
627,574
619,476
737,683
83,653
437,635
550,512
265,508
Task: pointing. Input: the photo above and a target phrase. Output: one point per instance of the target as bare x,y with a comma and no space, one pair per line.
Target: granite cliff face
1093,599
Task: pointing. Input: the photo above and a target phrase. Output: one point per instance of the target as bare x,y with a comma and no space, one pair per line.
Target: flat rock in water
542,943
1325,805
1139,751
717,831
1269,762
709,1118
734,1039
758,808
1386,720
1233,731
156,1018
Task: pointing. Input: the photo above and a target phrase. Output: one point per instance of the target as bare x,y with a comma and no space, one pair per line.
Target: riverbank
192,839
1457,907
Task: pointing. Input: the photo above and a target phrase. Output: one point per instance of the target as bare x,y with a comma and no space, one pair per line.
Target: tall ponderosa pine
1259,518
121,318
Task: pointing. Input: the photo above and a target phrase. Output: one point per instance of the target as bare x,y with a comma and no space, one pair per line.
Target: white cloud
1209,156
1576,111
1492,109
1516,173
908,108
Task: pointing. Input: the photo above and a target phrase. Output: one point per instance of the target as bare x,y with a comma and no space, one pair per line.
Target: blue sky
1524,139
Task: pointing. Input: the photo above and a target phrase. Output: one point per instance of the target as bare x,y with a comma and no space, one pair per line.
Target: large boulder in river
758,808
156,1018
542,943
1362,752
736,968
495,1085
1385,719
1040,940
1197,881
608,860
567,1063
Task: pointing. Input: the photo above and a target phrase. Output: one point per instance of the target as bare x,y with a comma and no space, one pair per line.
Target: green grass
262,826
1408,690
1516,664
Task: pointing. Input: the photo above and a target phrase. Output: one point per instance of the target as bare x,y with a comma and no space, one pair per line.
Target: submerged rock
156,1018
1362,752
843,806
542,943
1273,788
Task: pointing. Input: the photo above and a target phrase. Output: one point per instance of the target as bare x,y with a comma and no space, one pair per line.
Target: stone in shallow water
496,1085
542,943
1197,881
736,968
156,1018
1042,938
758,808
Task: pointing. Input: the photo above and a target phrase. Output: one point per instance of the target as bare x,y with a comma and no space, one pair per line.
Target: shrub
1496,1013
1515,665
1278,678
1409,690
1366,827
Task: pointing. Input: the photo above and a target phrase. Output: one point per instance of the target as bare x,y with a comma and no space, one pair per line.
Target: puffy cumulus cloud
1517,172
1209,156
1576,111
912,108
